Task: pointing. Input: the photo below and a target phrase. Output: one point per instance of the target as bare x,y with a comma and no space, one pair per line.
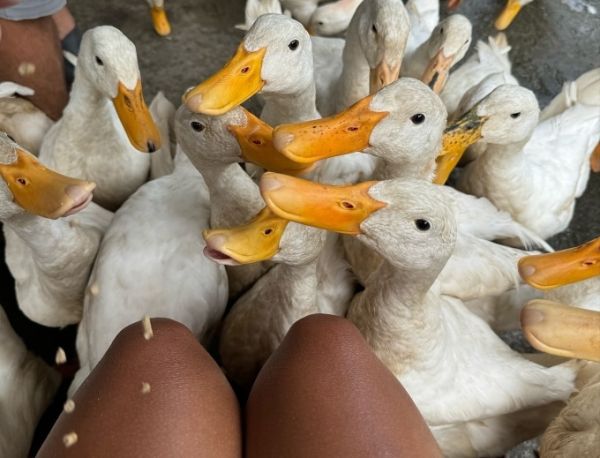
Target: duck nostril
151,146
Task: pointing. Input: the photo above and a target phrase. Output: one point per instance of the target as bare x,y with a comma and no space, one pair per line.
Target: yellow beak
382,75
335,208
256,143
256,241
136,119
346,132
457,138
43,192
562,330
160,21
436,73
508,15
546,271
235,83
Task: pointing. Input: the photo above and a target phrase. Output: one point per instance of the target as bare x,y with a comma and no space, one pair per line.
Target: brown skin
325,393
35,42
190,410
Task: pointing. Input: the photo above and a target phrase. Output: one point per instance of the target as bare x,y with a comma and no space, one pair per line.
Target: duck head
275,56
332,18
407,222
402,123
236,136
446,46
509,114
26,186
383,27
108,60
266,237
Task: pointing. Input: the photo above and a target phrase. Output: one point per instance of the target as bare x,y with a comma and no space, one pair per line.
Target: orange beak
235,83
336,208
256,143
508,15
457,138
311,141
136,119
551,270
562,330
254,242
43,192
436,73
382,75
160,21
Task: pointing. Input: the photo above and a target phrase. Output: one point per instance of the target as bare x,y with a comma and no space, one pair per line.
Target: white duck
289,291
98,140
424,15
158,232
550,165
301,10
27,386
20,119
490,58
49,258
446,46
462,377
256,8
332,18
160,21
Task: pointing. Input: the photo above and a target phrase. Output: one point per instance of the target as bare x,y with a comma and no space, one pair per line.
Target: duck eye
422,224
418,118
293,45
99,61
320,23
515,115
197,126
374,29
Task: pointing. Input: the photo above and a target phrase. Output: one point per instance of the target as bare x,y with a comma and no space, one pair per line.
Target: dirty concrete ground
551,43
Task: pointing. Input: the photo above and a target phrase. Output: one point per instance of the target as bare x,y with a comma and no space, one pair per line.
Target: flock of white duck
181,232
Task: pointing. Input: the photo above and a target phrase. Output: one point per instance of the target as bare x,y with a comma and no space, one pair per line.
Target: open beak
254,242
136,119
256,143
550,270
347,132
508,15
336,208
160,21
43,192
457,138
436,73
562,330
235,83
382,75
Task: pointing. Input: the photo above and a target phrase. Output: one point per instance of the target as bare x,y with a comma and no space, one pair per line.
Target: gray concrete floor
551,43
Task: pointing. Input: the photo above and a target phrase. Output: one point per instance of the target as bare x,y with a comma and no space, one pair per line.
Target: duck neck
386,170
290,108
86,105
502,157
40,233
234,197
353,84
416,65
296,289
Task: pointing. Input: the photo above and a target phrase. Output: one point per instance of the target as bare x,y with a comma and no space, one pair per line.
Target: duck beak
136,119
235,83
595,159
256,241
508,15
160,21
455,141
382,75
336,208
436,73
43,192
562,330
346,132
256,144
546,271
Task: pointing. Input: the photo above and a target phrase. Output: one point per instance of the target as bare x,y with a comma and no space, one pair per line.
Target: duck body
166,274
552,181
27,386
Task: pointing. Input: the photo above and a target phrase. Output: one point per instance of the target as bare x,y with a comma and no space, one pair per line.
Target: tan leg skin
34,42
325,393
187,409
